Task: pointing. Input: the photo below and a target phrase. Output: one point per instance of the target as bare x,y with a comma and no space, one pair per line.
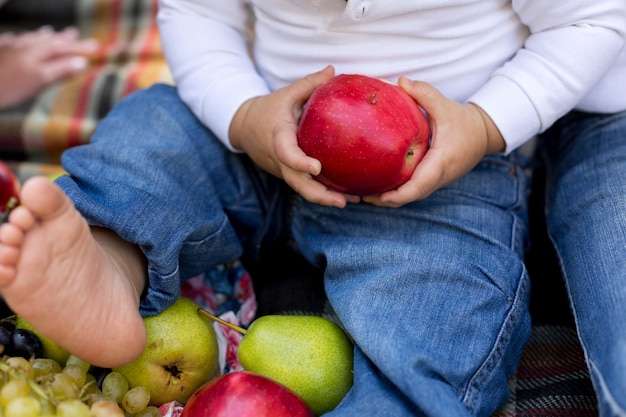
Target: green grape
45,366
96,396
64,387
149,411
90,388
106,409
136,399
77,372
39,393
47,408
74,360
89,378
14,388
22,407
21,367
73,408
115,385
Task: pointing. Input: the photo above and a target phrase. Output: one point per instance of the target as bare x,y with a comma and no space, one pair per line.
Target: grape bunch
32,386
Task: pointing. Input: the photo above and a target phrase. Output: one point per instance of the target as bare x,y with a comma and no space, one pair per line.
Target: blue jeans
435,293
585,156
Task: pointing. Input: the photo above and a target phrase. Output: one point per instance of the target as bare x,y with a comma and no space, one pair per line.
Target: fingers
287,150
429,175
62,67
45,43
34,59
458,143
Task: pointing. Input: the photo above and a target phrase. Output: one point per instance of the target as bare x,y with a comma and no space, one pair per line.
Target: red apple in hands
245,394
9,189
368,134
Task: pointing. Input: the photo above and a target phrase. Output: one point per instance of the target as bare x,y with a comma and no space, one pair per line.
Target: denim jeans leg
585,157
435,293
156,176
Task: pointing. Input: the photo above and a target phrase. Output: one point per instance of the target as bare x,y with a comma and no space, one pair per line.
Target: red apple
245,394
368,134
9,189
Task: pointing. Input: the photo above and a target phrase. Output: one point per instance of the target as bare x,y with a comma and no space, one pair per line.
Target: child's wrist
235,133
495,140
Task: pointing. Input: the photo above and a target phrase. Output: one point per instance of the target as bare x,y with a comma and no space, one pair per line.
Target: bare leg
78,286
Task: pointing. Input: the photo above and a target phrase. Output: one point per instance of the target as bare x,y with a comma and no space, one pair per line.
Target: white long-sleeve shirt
525,62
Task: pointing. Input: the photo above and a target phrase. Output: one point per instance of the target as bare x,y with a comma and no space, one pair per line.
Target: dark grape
5,339
26,344
99,374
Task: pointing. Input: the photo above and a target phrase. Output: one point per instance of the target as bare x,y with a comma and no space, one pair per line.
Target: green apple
51,350
310,355
181,354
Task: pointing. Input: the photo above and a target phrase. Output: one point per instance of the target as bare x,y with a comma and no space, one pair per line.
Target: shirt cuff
510,109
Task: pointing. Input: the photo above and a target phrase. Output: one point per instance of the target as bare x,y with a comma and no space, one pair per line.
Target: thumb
427,96
304,87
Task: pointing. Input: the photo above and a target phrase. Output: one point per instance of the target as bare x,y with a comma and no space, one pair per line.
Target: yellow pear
181,354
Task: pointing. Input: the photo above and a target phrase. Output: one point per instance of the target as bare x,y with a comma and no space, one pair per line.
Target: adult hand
33,60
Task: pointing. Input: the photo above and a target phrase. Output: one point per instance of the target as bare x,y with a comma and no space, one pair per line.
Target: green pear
181,354
310,355
51,349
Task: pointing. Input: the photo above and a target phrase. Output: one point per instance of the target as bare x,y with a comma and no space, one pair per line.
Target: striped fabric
552,379
66,114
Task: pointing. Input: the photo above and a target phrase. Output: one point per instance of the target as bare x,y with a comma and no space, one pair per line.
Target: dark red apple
368,134
9,189
245,394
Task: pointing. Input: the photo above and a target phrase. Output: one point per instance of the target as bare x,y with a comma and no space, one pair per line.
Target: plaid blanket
552,379
66,113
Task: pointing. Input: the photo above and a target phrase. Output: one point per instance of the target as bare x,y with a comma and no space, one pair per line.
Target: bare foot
79,287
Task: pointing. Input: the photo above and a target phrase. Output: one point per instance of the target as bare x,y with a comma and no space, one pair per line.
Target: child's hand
461,135
265,129
33,60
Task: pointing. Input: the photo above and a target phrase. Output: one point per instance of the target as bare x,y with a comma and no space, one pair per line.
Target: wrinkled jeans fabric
435,293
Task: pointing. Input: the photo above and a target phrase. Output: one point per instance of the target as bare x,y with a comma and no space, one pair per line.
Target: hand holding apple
368,134
462,135
265,127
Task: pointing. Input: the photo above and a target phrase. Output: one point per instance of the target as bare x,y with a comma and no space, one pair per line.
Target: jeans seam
486,369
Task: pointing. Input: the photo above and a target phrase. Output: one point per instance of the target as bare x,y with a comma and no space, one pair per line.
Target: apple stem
234,327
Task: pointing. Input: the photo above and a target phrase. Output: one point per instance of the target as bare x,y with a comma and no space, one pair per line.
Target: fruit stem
234,327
